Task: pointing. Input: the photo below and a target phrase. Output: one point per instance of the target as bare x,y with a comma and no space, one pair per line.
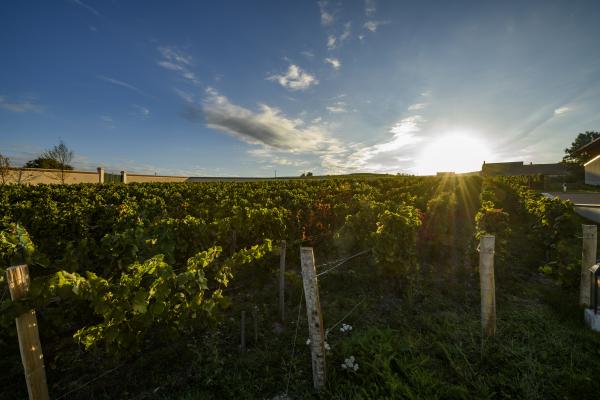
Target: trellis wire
341,262
345,316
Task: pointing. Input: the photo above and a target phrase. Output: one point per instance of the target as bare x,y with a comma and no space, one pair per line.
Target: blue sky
249,87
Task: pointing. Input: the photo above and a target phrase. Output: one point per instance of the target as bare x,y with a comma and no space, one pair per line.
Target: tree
57,158
4,168
45,163
574,158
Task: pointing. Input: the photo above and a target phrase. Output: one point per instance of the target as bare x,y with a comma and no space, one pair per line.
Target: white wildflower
350,364
307,342
327,346
345,328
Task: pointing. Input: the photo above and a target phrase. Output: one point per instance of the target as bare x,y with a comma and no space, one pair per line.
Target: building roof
520,168
592,148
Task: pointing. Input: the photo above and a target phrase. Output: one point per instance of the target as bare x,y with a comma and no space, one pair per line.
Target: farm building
520,168
592,167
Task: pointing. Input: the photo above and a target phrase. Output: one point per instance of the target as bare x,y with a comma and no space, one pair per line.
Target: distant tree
4,168
578,159
59,157
46,163
309,174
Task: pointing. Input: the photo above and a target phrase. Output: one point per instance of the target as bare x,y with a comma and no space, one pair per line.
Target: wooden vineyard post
588,259
243,332
315,318
487,284
282,280
29,337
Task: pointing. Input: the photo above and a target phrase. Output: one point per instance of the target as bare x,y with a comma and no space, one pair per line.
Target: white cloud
295,78
370,7
417,106
562,110
307,53
326,16
176,60
337,108
121,83
334,62
374,25
267,126
20,106
331,42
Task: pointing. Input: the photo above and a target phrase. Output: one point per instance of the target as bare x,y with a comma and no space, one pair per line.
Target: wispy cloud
20,106
85,6
307,53
562,110
336,41
295,78
176,60
267,126
417,106
108,121
331,42
185,96
370,7
122,84
143,112
270,156
374,25
391,155
337,108
334,62
326,15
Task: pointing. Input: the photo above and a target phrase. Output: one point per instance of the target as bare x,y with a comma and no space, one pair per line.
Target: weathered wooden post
243,332
487,284
588,259
123,177
100,175
282,280
315,318
29,337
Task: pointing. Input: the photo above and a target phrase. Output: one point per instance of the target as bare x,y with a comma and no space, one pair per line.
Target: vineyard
141,289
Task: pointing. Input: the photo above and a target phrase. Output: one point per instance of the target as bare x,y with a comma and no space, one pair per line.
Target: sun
456,152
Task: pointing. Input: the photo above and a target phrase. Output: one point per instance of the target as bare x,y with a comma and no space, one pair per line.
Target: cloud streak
19,106
372,26
85,6
122,84
174,59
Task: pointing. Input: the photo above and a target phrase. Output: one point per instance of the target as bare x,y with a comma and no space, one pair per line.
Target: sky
258,88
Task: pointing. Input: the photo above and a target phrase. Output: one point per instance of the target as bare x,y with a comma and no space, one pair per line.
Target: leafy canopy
571,155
